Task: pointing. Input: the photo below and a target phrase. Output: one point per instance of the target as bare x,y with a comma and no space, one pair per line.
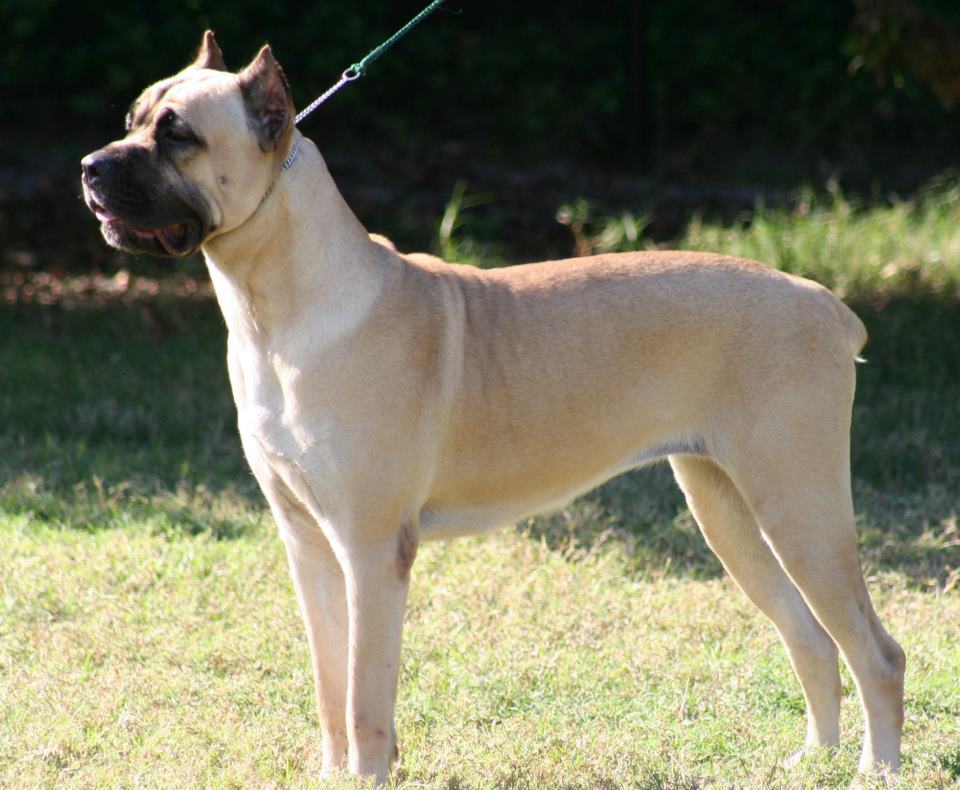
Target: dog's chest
268,409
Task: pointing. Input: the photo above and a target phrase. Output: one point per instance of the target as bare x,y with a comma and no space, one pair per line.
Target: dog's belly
452,520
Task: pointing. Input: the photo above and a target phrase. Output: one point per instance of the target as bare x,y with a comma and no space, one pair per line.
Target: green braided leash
358,69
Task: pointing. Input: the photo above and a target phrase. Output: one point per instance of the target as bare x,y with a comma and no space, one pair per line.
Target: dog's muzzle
130,218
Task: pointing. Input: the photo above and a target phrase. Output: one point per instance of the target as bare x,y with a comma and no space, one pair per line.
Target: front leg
377,577
319,584
321,592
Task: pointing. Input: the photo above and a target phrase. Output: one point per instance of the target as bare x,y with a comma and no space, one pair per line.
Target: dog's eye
178,135
173,130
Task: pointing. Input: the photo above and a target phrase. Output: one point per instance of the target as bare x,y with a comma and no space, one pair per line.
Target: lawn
149,635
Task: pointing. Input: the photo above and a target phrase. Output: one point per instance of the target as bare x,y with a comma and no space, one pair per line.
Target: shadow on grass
951,764
121,413
124,412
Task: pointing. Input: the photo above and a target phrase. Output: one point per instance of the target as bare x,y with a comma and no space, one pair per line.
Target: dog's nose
97,167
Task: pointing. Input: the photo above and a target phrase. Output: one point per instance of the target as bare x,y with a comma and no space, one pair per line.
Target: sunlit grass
134,658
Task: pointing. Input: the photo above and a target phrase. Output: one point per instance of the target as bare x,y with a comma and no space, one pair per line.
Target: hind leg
732,533
796,481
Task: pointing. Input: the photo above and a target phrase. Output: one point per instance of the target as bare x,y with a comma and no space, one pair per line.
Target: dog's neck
302,251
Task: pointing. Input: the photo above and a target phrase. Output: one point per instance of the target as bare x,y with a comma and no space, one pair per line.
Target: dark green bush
510,80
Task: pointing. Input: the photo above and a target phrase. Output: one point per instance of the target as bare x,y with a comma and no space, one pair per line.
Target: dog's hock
209,55
266,95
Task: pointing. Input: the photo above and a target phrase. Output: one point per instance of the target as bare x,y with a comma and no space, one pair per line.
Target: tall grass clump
856,249
453,242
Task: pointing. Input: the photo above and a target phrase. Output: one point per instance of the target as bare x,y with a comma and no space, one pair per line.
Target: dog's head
199,155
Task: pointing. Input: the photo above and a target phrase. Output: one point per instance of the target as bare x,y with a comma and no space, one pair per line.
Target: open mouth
175,239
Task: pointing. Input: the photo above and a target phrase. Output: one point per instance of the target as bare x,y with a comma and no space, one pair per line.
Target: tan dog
384,399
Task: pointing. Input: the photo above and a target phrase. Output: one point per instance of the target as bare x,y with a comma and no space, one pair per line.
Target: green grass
149,635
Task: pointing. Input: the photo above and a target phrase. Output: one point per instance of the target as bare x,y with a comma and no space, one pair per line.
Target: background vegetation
783,88
660,107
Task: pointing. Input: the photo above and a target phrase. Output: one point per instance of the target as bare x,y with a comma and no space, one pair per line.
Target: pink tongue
171,237
103,215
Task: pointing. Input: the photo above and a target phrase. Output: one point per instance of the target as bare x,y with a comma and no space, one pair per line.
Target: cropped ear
266,95
209,55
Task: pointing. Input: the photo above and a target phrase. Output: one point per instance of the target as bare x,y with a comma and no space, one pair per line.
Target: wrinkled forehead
193,93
